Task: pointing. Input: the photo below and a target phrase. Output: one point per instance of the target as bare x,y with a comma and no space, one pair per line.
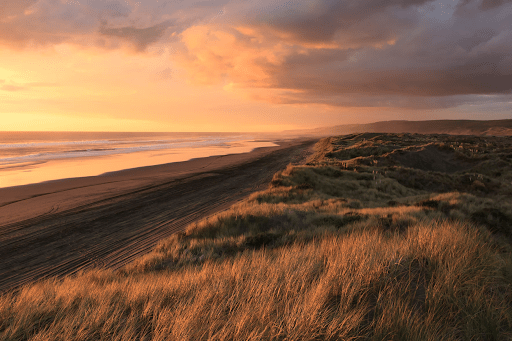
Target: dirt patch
430,158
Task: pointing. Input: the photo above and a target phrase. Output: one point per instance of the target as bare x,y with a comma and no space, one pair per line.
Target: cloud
217,53
395,53
109,8
14,86
485,5
165,74
351,22
86,22
140,37
11,8
370,53
9,87
104,23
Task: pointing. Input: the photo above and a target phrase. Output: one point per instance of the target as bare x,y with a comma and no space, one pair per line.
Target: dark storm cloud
485,4
419,67
322,20
429,62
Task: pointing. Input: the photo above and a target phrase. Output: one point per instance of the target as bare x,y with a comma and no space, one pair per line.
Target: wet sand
61,227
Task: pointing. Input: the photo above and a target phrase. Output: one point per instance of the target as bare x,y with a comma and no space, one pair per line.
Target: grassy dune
377,237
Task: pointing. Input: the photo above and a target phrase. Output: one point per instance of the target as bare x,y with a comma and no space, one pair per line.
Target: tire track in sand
112,232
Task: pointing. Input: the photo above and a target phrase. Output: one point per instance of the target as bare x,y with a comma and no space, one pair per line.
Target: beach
60,227
34,157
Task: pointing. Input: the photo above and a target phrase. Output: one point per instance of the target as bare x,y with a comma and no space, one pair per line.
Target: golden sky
270,65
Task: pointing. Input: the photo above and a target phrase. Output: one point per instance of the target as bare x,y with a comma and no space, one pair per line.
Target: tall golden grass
326,253
437,281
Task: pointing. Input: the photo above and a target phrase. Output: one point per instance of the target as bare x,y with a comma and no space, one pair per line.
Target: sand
60,227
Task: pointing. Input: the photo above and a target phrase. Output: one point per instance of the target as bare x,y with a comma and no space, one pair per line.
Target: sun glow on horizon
249,66
80,89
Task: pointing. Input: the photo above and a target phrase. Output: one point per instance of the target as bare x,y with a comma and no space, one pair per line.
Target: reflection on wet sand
35,172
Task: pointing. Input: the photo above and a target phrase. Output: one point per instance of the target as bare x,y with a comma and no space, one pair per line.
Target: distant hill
452,127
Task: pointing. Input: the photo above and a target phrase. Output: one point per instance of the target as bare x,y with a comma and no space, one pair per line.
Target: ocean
33,157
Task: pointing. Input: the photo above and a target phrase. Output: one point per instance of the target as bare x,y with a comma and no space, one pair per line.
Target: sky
247,65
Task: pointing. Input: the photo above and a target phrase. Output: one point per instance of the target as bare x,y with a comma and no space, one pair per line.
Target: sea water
32,157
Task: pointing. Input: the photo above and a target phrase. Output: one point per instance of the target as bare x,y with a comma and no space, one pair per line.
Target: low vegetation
377,237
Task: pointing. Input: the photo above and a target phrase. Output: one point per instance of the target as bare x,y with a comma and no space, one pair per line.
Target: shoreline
76,165
63,226
125,179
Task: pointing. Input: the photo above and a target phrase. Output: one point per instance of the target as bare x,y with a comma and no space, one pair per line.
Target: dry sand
61,227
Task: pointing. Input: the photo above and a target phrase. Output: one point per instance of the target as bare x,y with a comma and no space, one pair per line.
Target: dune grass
342,248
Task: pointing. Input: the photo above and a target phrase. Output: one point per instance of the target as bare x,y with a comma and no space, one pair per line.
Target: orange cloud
216,54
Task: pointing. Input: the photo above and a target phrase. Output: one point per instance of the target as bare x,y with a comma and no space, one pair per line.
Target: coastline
90,188
42,167
63,226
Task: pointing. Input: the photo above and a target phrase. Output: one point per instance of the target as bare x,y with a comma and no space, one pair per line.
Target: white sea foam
27,158
46,151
